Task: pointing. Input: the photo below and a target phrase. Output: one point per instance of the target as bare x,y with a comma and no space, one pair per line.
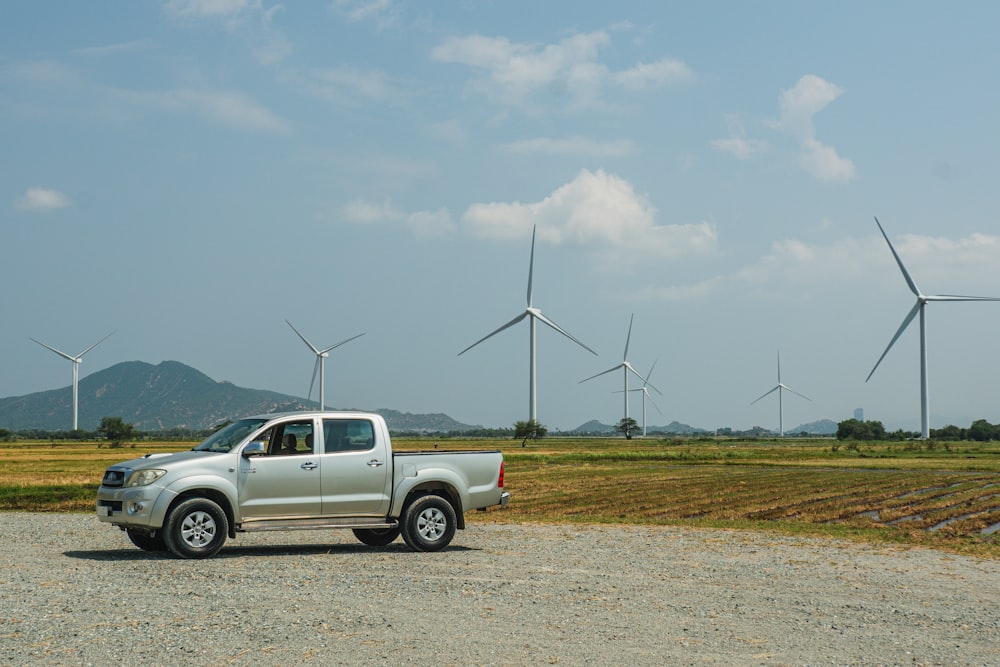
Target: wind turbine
76,371
533,314
922,300
780,388
320,364
627,368
645,395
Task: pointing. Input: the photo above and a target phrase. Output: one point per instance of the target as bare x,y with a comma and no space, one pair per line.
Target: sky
191,174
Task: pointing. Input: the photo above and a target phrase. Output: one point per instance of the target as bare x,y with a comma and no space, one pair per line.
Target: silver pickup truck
298,470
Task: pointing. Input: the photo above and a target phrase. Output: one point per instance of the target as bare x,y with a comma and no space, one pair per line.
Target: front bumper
128,507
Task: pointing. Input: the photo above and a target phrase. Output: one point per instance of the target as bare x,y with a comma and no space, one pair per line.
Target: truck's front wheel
196,528
428,524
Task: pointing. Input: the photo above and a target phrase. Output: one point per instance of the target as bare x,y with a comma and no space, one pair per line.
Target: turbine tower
627,368
533,314
76,372
918,307
321,356
780,388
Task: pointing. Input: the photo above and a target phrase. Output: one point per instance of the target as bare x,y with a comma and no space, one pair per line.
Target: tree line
854,429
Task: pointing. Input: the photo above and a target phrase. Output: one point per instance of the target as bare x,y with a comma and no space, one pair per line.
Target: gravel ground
75,592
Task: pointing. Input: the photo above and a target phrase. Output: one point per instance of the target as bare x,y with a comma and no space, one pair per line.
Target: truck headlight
145,477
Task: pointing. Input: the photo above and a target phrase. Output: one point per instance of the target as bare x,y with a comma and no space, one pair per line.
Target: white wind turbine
922,300
321,356
76,371
645,395
533,314
626,368
780,388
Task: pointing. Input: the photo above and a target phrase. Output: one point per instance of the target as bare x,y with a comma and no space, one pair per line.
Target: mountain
674,428
167,396
821,427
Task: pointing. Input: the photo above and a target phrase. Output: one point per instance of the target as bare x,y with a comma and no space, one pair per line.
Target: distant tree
981,431
854,429
626,426
949,432
115,431
530,429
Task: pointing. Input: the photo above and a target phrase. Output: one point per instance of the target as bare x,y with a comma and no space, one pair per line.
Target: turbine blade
97,343
313,381
902,327
906,274
304,340
959,297
629,336
555,326
646,381
796,393
49,347
610,370
531,263
509,324
654,403
336,345
767,394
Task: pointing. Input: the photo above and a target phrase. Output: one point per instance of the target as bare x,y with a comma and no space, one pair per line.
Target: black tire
377,537
197,528
428,523
146,542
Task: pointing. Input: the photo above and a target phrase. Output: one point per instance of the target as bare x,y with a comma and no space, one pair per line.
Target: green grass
935,494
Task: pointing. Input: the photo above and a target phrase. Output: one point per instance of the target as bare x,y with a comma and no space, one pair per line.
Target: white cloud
383,12
421,223
43,199
514,72
650,75
572,146
737,144
228,108
810,95
596,210
249,19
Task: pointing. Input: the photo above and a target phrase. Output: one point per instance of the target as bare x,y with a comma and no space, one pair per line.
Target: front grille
114,477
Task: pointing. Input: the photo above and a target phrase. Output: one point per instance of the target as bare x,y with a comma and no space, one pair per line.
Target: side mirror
255,448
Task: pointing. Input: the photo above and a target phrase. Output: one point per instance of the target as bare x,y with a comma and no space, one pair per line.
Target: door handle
309,465
375,463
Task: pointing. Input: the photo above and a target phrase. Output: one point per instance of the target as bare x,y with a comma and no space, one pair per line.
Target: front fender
209,485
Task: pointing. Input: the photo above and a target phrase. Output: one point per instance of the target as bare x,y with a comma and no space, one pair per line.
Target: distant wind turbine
645,395
922,299
76,371
533,314
320,364
626,368
780,388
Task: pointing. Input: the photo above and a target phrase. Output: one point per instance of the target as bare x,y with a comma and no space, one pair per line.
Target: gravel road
75,592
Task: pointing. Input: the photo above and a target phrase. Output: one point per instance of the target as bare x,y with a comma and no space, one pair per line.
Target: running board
251,525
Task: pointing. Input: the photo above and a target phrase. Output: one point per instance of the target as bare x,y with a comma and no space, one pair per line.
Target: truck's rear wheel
146,542
428,523
196,528
377,537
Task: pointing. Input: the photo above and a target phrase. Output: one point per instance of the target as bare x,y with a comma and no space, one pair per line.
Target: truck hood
161,460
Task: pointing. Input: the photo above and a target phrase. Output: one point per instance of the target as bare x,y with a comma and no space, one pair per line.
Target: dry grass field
945,495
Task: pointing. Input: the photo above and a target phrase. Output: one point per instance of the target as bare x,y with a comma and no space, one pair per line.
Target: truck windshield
229,437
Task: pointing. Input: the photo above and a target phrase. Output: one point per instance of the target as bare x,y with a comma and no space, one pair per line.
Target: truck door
355,470
286,481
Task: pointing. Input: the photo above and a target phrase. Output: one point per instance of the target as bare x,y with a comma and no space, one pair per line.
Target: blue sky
192,174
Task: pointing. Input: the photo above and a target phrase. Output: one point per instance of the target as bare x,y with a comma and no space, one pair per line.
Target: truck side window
348,435
290,438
